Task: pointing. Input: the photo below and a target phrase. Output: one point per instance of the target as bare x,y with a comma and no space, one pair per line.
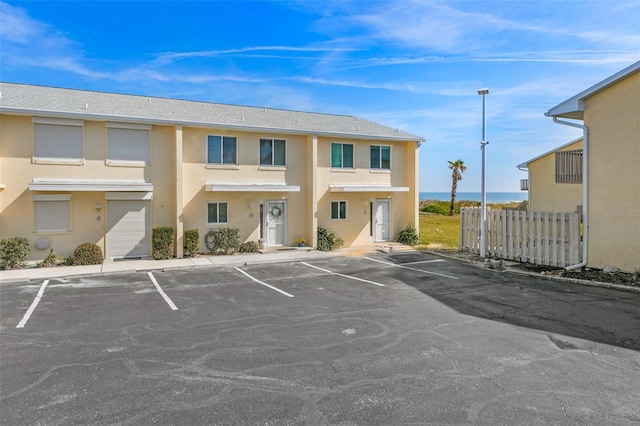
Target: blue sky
412,65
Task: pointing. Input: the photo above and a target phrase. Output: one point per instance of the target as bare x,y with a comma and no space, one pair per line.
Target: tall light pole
483,224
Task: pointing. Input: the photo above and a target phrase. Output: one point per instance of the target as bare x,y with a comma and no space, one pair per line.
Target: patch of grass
438,231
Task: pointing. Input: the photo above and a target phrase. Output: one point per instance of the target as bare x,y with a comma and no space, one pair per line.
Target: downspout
585,191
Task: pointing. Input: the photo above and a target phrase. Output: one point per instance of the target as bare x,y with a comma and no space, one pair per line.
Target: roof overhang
574,107
525,165
250,187
367,188
90,185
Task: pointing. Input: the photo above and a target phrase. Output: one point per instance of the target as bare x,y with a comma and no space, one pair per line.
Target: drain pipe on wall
585,191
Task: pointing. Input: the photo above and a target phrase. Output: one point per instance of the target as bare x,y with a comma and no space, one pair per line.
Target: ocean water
492,197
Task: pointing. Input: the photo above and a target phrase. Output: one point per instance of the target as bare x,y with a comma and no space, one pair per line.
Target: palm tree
458,168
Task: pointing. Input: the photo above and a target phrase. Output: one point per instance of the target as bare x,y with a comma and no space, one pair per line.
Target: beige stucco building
555,179
79,166
609,115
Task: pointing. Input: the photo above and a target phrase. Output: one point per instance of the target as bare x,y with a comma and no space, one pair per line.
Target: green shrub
162,237
191,240
328,240
227,240
438,209
408,236
52,260
249,247
87,254
13,252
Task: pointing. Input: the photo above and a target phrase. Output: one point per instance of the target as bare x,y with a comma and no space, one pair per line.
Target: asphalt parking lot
382,339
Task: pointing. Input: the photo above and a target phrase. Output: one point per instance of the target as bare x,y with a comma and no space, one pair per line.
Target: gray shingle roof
58,102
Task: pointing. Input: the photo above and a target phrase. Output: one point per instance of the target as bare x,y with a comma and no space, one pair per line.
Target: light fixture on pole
483,221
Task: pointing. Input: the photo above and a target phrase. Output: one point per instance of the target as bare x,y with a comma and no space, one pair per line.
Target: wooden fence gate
541,238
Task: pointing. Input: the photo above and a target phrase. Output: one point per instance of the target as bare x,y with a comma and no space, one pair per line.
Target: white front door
275,223
383,220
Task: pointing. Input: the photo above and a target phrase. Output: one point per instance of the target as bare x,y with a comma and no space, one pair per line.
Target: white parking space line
162,293
412,269
342,275
423,261
264,284
32,308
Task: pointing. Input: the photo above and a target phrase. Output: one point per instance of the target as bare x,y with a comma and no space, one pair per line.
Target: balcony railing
524,184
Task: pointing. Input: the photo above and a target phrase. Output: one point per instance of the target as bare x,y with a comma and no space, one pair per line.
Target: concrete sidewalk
287,254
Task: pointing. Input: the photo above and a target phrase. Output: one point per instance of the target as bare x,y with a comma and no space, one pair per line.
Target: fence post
563,239
461,240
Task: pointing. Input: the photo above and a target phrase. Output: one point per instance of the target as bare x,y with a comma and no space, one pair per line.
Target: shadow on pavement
597,314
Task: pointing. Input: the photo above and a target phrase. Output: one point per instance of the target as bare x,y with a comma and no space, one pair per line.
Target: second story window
58,140
341,156
128,143
273,152
222,149
569,166
381,157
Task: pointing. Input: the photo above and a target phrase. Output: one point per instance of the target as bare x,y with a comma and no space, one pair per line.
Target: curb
164,268
632,289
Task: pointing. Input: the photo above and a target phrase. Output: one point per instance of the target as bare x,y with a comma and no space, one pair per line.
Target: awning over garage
93,185
250,187
367,188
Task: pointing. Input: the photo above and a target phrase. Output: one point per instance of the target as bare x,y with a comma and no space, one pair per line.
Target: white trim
94,185
126,163
367,188
125,196
57,121
132,126
65,161
250,187
50,197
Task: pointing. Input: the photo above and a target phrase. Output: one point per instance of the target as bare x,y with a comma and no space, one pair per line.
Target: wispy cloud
166,58
475,29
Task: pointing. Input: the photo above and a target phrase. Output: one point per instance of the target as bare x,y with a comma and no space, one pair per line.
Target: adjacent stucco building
80,166
555,179
609,115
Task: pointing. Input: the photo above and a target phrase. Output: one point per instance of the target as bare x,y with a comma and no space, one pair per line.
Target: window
221,149
57,140
272,152
569,166
128,143
342,156
217,213
381,157
52,212
339,210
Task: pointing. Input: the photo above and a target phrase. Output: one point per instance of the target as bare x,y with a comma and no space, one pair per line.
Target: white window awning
250,187
367,188
93,185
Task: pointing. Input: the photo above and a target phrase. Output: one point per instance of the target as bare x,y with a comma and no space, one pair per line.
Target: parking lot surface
406,338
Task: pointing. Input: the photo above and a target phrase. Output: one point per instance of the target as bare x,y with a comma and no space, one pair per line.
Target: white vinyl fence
541,238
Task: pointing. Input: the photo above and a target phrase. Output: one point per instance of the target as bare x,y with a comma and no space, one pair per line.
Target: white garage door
128,228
